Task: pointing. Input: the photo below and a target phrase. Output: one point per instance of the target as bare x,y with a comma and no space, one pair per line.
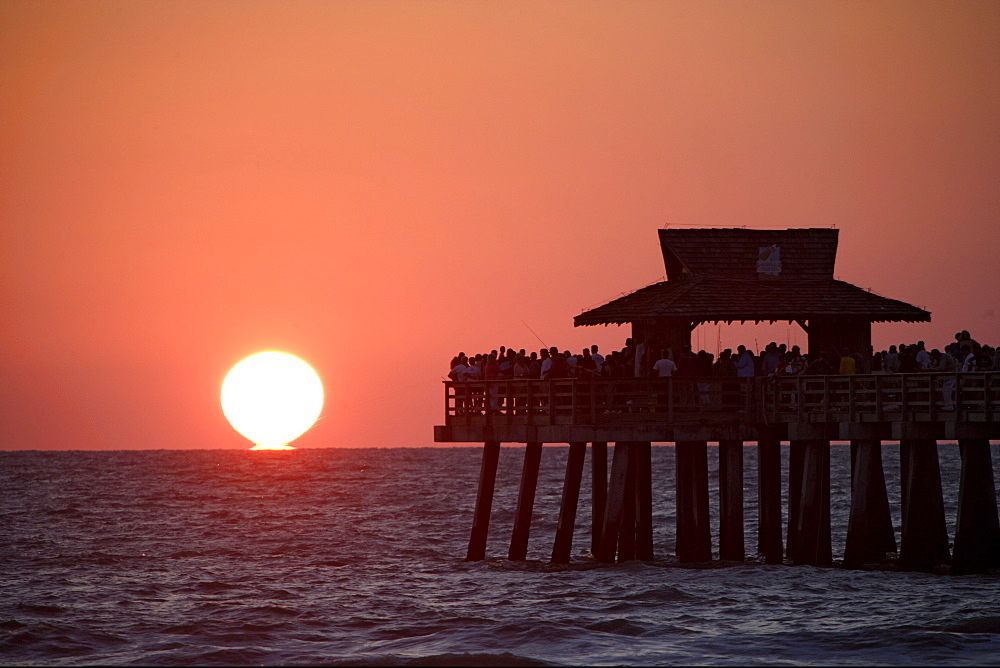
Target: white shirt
744,365
598,361
923,359
546,367
970,363
946,363
640,359
664,368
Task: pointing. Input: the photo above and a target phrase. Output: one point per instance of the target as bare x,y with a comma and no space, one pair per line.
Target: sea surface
355,557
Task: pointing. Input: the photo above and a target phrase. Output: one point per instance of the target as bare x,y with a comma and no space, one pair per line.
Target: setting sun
272,398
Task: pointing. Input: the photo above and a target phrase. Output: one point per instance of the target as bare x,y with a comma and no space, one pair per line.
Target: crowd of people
640,358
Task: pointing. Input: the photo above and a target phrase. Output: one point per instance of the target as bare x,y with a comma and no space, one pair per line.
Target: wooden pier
747,275
809,412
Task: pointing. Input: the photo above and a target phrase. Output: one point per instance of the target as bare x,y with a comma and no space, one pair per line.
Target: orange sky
373,186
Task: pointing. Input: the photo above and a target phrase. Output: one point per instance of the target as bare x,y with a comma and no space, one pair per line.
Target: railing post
826,397
850,398
931,400
528,402
593,400
552,401
878,398
958,397
904,407
987,400
572,409
447,405
670,399
800,398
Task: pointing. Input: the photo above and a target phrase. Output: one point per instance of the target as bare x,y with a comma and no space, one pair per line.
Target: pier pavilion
729,275
739,275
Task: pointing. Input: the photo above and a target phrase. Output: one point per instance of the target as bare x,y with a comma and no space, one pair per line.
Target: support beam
599,492
924,543
484,502
614,507
694,534
812,537
870,533
796,460
626,532
525,502
977,530
731,547
567,509
644,500
769,500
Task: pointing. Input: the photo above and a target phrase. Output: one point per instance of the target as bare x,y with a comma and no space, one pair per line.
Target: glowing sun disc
272,398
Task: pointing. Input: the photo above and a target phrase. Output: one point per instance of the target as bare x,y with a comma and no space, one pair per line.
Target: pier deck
809,412
939,406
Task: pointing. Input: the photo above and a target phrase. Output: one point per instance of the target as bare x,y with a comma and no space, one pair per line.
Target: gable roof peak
749,253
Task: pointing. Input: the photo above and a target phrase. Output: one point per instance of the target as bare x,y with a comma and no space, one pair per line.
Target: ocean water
355,557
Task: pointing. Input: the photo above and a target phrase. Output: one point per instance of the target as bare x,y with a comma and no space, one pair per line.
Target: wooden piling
615,503
812,536
694,535
484,502
626,530
643,452
599,492
731,547
870,532
924,541
567,509
796,459
525,502
977,530
769,500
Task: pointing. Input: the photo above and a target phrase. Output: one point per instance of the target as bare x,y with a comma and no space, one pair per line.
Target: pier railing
911,397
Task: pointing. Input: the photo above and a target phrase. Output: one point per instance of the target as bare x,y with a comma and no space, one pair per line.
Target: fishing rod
533,332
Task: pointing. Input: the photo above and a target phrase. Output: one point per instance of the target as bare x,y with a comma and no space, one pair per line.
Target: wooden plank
812,538
924,542
694,536
731,546
484,502
977,532
644,501
563,545
525,502
769,500
626,532
796,457
615,503
599,492
870,532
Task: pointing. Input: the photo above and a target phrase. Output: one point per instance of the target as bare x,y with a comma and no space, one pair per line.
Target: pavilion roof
733,252
711,299
750,275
